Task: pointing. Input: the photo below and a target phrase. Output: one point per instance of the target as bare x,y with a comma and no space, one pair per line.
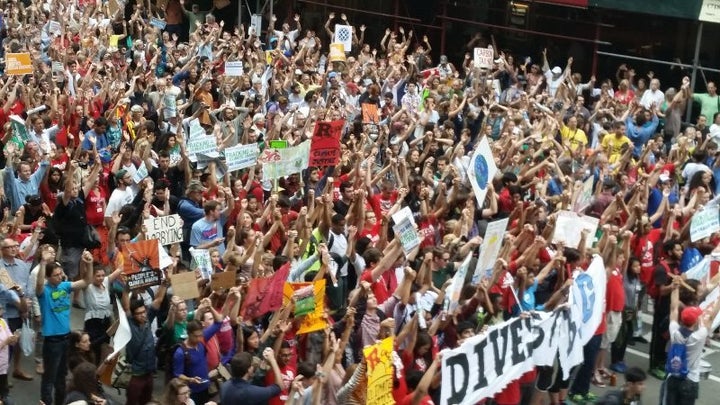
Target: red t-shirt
426,400
288,374
510,394
95,207
379,287
381,205
615,294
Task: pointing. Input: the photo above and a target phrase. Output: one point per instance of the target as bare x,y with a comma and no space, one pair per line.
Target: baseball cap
120,174
690,315
332,75
556,70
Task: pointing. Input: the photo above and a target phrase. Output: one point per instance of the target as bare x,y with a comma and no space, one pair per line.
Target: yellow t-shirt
575,137
612,145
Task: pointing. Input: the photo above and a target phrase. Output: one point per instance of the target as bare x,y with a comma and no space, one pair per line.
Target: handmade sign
241,156
201,262
204,144
337,52
483,57
458,281
158,23
585,197
265,294
314,321
380,372
284,162
370,113
184,285
223,280
569,227
489,249
166,229
140,174
325,143
140,262
18,64
405,230
481,170
343,35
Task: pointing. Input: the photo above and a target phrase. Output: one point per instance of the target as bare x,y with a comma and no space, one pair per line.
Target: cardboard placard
337,52
166,229
223,280
184,285
325,143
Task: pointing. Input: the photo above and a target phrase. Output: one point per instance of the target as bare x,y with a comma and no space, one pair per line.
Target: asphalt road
28,392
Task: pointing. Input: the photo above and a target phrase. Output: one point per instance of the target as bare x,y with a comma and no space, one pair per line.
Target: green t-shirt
708,105
442,275
180,328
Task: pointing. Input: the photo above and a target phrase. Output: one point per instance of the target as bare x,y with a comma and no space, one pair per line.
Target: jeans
55,363
659,340
680,391
617,352
581,384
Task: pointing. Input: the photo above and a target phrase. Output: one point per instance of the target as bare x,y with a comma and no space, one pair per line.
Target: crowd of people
95,142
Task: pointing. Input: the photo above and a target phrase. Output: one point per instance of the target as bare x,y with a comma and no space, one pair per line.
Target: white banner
704,223
166,229
569,227
489,249
481,170
241,156
343,35
587,298
483,57
710,11
122,335
455,288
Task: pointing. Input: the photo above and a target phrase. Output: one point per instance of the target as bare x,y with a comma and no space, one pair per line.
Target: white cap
556,70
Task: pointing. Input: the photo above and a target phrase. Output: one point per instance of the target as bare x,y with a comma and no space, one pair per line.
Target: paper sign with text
166,229
380,372
18,64
241,156
234,68
325,143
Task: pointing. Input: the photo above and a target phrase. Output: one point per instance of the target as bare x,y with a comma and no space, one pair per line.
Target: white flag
343,34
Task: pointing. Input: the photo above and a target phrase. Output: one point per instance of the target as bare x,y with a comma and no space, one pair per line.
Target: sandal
604,373
598,382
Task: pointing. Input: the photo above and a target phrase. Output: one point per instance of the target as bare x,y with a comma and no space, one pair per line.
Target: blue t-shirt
55,308
528,298
204,231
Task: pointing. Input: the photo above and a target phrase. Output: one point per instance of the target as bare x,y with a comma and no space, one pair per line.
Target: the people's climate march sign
483,365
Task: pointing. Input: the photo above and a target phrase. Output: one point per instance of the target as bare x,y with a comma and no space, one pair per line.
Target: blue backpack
677,361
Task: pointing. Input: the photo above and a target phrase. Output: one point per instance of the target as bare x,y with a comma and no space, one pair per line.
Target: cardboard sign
481,170
234,68
184,285
483,57
158,23
325,143
370,114
223,280
241,156
18,64
166,229
569,227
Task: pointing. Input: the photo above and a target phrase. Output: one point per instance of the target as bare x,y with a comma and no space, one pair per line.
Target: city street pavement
28,392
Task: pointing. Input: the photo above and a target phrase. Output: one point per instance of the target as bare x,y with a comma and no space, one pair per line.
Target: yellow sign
380,372
18,64
337,52
315,320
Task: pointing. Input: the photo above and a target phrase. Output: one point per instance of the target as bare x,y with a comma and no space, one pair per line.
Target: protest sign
458,281
241,156
256,24
140,173
265,294
234,68
19,131
325,143
18,64
315,320
54,27
140,262
201,261
481,170
196,129
483,57
337,52
489,249
291,160
184,285
166,229
378,358
370,114
222,280
587,298
704,223
585,197
343,35
201,145
569,227
278,143
405,230
170,103
158,23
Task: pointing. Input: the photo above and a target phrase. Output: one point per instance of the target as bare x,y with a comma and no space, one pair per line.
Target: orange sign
18,64
315,320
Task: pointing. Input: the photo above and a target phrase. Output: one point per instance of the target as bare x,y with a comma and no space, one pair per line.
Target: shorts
614,323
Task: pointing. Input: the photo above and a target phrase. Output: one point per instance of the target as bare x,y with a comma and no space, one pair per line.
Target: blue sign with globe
481,171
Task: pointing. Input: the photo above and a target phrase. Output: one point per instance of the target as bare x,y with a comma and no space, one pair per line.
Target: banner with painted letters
166,229
704,223
587,298
241,156
285,162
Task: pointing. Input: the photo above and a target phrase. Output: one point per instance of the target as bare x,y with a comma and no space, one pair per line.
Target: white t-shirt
695,344
118,198
97,301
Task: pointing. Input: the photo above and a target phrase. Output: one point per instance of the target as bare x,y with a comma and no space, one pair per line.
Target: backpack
677,361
